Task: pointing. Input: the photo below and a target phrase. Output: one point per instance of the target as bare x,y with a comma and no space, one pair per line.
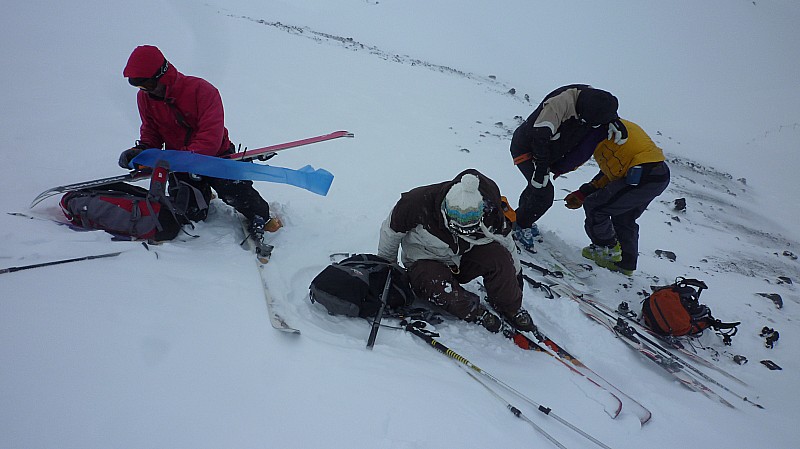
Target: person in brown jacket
451,233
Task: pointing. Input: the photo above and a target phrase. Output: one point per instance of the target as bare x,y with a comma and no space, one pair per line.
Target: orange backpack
675,311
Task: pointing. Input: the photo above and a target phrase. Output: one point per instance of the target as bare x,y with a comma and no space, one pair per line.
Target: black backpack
354,286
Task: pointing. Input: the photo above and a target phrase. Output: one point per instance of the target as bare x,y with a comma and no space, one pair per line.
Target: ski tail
266,152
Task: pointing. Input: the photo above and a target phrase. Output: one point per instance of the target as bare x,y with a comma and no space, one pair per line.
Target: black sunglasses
146,84
465,230
150,84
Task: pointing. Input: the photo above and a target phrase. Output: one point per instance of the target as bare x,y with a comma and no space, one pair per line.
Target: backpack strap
157,192
724,330
692,283
158,186
399,280
181,119
181,201
363,258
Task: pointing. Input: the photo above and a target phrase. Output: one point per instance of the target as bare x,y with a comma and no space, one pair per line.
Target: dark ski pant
533,203
612,211
238,194
441,284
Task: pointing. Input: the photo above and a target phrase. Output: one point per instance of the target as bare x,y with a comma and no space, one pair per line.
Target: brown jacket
417,221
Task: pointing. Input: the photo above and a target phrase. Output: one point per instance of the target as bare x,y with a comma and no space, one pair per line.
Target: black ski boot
490,321
522,321
256,227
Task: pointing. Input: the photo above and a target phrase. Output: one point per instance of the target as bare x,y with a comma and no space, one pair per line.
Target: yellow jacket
615,160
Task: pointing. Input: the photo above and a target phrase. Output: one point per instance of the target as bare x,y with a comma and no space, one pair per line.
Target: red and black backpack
126,210
675,310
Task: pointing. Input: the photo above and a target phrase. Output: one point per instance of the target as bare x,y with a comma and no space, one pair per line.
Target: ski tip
614,412
40,198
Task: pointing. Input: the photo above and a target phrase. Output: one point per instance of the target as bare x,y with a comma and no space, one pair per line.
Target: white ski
262,253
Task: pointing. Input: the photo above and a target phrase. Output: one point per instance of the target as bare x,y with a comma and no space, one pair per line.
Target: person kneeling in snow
185,113
631,175
451,233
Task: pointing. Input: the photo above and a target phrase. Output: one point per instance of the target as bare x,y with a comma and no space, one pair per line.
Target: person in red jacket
185,113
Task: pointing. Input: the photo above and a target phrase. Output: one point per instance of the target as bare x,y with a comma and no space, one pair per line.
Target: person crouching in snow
451,233
185,113
632,175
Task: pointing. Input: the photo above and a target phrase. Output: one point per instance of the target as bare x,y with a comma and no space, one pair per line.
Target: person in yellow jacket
632,174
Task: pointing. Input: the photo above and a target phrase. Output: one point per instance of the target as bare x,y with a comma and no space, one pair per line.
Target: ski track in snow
351,44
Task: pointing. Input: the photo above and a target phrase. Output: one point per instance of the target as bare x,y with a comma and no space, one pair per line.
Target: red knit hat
146,61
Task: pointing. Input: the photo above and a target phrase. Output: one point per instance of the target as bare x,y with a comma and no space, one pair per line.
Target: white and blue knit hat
463,205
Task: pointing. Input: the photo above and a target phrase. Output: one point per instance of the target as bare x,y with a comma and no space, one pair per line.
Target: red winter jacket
189,118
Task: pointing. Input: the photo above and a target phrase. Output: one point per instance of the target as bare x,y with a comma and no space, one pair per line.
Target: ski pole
47,264
376,322
454,355
515,411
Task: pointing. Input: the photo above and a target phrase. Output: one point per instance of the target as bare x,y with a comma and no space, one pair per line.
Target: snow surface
170,346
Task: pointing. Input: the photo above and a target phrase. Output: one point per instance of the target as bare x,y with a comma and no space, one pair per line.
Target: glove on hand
127,156
617,132
575,199
543,183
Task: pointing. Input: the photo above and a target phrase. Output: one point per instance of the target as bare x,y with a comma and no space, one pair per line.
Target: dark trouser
441,285
238,194
612,211
533,203
241,196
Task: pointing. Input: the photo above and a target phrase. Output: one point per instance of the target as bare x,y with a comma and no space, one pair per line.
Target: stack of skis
557,277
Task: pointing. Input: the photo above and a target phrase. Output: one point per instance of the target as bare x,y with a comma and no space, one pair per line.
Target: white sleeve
389,243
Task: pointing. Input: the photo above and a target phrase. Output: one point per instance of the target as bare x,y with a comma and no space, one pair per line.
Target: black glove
127,156
540,149
541,176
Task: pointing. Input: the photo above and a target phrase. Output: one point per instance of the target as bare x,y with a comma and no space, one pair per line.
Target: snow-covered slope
170,346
